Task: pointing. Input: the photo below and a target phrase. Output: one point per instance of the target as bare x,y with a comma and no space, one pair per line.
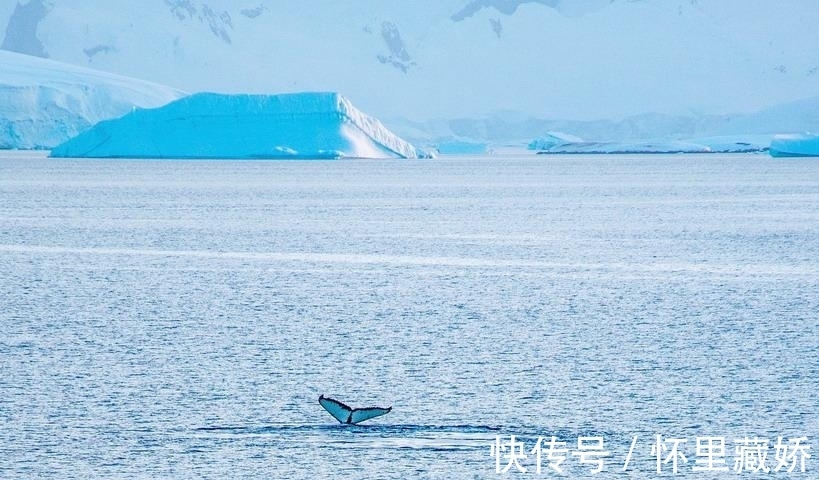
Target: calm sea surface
179,319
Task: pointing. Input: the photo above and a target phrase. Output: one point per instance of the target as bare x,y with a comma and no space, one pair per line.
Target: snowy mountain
572,59
209,125
43,102
517,129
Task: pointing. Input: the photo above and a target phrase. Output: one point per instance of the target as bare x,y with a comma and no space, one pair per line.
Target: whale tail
348,415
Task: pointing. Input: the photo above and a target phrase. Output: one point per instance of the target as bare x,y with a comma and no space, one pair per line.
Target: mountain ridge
801,116
576,59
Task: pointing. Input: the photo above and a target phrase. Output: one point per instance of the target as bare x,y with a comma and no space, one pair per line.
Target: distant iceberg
735,143
44,103
552,140
211,125
721,144
795,145
628,147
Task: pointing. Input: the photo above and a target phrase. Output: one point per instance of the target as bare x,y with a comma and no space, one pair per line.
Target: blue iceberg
211,125
553,139
795,145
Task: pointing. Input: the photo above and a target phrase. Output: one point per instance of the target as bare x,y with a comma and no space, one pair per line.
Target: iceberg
719,144
627,147
44,103
551,140
212,125
795,145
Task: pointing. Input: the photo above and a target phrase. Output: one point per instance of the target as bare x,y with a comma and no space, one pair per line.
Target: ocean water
179,319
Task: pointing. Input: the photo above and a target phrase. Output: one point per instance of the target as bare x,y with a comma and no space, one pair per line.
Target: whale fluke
351,416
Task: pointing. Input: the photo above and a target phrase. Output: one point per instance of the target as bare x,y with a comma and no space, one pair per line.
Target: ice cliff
44,103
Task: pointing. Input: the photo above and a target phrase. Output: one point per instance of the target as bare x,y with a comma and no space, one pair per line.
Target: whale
348,415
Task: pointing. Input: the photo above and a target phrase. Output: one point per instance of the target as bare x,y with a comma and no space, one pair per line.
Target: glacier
795,145
44,102
214,125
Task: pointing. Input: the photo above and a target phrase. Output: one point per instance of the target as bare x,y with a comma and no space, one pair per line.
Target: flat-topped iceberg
795,145
211,125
